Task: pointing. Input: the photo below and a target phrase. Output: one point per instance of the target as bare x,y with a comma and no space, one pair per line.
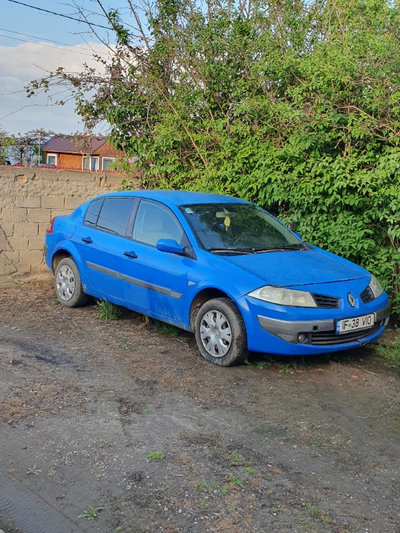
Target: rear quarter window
92,212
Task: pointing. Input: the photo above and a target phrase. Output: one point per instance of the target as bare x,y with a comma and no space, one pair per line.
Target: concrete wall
29,198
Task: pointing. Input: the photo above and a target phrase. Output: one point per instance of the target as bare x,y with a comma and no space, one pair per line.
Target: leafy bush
292,104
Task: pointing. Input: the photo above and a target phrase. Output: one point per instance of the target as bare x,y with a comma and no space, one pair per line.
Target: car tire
220,332
68,285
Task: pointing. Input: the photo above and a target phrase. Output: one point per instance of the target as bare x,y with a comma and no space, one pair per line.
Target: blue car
220,267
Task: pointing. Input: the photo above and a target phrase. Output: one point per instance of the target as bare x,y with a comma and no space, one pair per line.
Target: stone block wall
29,198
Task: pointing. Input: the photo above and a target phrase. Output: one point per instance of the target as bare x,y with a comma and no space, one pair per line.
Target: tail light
50,226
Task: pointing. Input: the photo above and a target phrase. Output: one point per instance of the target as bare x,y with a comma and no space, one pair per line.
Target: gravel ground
117,426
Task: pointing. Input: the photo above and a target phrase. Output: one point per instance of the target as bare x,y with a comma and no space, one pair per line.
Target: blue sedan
218,266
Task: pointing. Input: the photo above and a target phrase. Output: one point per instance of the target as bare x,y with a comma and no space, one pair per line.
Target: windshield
238,228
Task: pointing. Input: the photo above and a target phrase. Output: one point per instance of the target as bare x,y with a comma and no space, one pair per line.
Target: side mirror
170,245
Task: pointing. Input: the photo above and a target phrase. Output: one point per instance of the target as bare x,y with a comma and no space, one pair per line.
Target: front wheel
68,284
220,332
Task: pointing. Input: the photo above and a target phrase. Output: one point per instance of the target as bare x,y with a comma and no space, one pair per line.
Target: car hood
291,268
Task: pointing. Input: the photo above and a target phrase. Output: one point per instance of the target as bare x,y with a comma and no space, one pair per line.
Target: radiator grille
329,337
326,302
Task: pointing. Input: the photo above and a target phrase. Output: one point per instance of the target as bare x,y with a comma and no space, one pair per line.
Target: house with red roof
80,153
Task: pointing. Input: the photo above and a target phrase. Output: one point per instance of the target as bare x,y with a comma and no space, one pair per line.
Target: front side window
238,228
153,222
115,214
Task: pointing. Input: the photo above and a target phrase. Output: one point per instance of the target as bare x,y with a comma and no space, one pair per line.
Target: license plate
355,323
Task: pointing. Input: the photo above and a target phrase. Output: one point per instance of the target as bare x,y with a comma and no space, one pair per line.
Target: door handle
87,239
131,254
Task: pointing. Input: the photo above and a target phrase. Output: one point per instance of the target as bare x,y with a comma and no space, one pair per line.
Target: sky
33,42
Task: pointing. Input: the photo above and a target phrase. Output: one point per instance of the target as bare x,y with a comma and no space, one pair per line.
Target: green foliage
390,350
108,310
91,514
155,456
292,104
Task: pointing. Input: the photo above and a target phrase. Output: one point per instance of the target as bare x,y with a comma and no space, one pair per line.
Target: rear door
102,242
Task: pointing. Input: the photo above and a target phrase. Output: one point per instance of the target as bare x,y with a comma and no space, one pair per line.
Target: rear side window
111,214
92,212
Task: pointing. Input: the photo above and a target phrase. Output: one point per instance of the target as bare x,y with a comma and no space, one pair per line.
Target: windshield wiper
300,246
234,251
281,248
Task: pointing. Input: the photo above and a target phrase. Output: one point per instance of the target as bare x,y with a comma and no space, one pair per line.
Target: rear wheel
68,284
221,333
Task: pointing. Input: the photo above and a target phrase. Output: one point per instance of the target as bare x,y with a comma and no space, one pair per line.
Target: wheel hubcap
215,333
65,282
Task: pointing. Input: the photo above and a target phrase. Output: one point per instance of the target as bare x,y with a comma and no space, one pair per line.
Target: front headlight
375,286
280,296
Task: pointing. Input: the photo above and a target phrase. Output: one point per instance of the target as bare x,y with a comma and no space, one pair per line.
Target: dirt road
116,426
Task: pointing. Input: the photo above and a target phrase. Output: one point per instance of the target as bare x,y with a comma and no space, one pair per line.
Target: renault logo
351,299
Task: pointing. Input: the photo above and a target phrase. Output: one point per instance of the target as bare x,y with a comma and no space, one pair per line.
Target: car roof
180,197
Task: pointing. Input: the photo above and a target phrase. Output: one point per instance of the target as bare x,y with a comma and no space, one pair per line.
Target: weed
223,490
313,510
236,460
166,329
288,368
155,456
146,411
51,473
251,471
259,366
202,485
235,480
33,471
91,514
391,352
108,310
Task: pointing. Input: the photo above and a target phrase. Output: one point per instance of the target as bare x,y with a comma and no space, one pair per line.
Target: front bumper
322,332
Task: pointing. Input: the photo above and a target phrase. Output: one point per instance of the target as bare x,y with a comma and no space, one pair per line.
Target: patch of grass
313,509
155,456
236,460
91,513
260,365
289,368
108,310
146,411
213,486
251,471
166,329
202,486
390,351
235,480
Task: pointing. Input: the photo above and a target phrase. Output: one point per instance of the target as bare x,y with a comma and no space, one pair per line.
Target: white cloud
21,64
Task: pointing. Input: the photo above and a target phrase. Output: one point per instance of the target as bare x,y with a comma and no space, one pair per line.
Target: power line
59,14
34,37
85,50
